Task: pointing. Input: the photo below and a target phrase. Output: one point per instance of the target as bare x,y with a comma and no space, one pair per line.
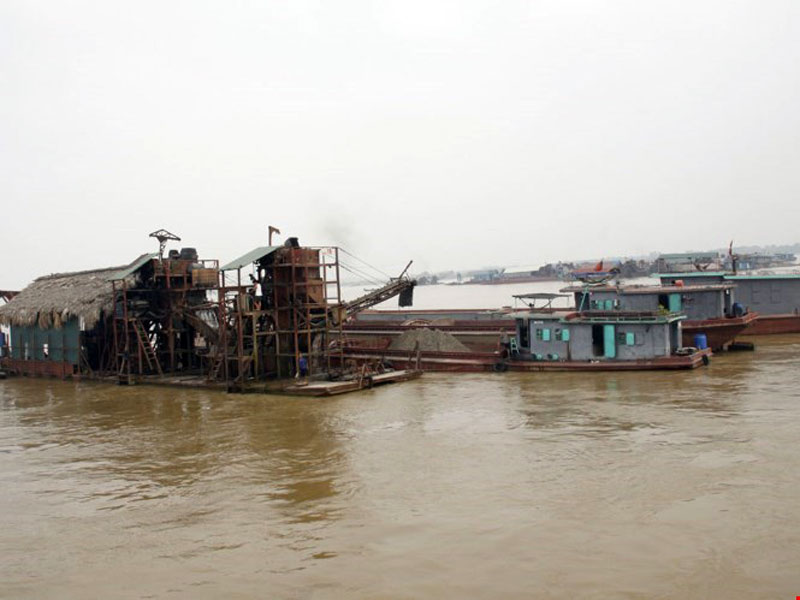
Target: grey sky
457,133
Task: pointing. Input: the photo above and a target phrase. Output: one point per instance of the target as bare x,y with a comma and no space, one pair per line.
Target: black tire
500,367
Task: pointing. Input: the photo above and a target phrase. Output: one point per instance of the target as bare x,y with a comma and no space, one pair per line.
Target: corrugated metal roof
132,268
250,257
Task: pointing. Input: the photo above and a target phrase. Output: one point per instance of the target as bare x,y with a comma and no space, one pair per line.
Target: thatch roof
52,300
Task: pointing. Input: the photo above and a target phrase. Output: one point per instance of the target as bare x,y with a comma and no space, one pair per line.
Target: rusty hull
720,332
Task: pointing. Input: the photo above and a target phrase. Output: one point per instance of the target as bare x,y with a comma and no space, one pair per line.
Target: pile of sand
430,340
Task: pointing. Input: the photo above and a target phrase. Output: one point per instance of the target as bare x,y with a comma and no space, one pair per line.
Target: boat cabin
764,294
597,335
697,302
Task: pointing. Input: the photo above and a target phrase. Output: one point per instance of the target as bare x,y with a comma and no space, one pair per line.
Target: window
630,339
545,335
565,335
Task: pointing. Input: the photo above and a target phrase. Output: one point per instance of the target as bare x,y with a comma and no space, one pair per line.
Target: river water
542,485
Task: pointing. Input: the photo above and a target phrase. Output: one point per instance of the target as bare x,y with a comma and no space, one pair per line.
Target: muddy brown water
616,485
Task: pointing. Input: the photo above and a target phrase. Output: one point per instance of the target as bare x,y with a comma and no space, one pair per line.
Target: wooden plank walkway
333,388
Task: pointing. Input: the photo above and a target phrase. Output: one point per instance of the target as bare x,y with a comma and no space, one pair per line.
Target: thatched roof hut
52,300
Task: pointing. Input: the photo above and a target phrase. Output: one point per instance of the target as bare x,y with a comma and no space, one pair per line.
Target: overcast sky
457,133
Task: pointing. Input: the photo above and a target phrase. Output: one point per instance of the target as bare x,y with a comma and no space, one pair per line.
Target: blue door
609,341
674,303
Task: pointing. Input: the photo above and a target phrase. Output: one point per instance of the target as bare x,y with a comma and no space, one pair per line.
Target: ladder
146,346
216,366
512,346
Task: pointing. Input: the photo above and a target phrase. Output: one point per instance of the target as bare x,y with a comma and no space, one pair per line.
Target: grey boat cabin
597,336
697,302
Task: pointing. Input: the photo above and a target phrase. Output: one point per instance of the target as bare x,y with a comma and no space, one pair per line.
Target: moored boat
774,297
714,317
602,340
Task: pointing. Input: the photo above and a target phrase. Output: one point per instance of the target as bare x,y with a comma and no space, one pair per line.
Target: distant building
485,275
520,273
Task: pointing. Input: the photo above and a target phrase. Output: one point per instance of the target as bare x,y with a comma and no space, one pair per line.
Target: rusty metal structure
161,321
275,312
278,306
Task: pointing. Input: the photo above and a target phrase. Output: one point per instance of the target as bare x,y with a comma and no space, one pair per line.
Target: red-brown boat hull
719,332
689,361
774,324
466,362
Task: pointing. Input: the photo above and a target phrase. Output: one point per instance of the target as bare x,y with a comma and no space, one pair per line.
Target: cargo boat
551,339
713,316
776,298
598,340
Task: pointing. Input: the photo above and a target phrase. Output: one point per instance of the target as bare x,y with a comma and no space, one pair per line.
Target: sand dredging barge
265,321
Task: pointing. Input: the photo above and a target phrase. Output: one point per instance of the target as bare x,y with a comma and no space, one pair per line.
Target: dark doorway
598,340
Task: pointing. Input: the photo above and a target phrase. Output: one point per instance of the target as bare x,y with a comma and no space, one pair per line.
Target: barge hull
691,361
774,324
447,362
719,332
475,362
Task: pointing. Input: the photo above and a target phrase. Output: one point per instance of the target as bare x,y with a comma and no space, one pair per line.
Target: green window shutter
674,303
565,335
609,305
630,338
546,335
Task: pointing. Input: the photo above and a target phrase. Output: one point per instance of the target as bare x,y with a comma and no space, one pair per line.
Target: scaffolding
279,323
161,323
